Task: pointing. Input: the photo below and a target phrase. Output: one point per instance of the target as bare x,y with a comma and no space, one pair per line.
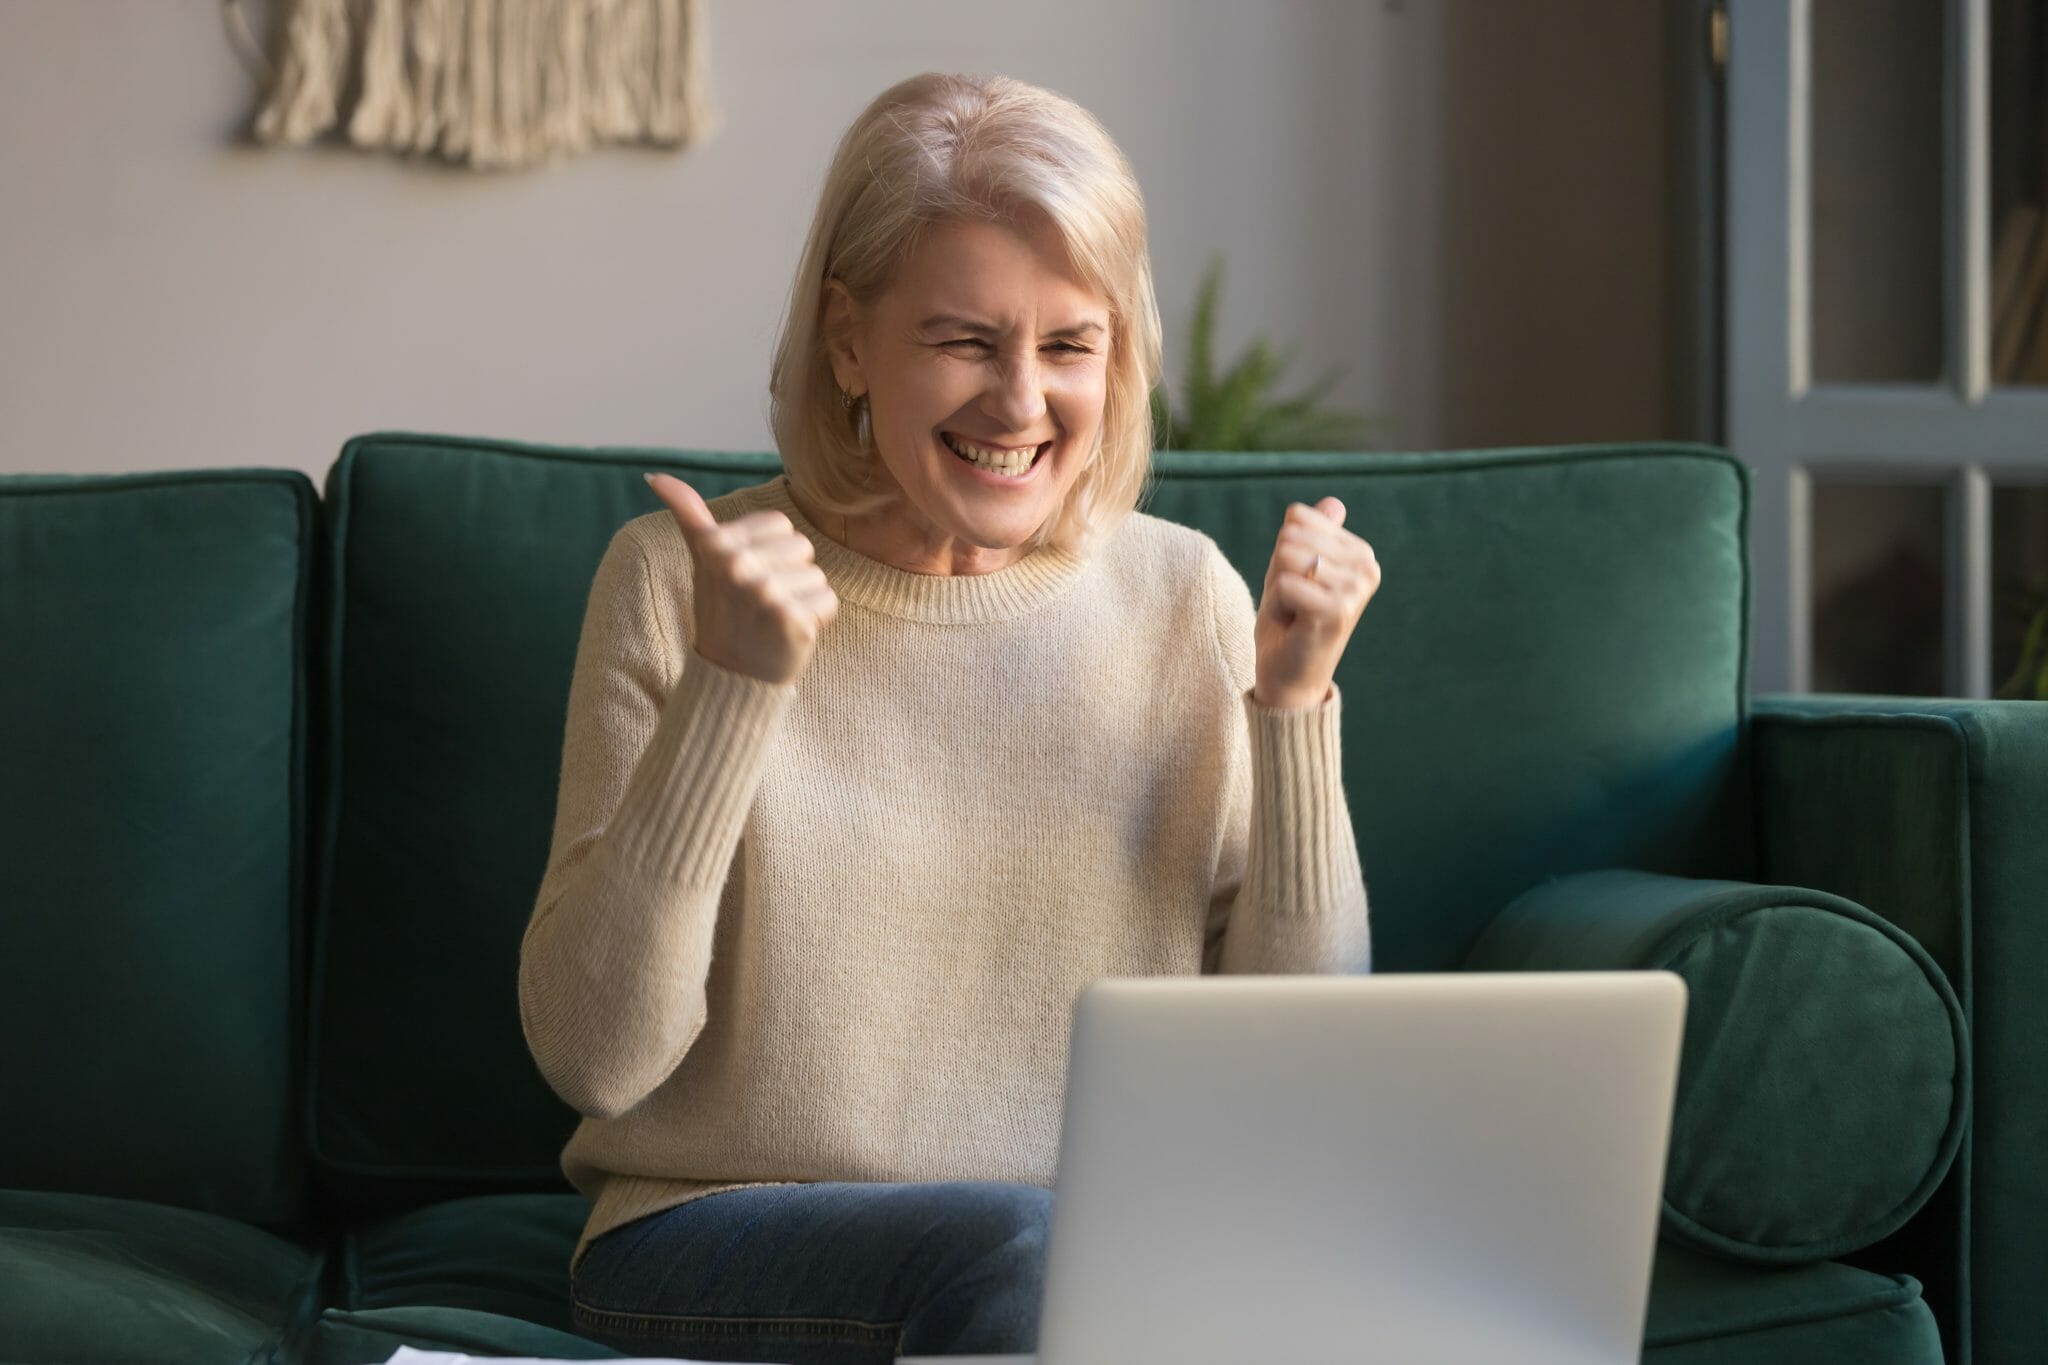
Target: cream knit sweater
834,930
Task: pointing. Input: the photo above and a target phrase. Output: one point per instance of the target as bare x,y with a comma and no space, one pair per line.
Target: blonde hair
940,148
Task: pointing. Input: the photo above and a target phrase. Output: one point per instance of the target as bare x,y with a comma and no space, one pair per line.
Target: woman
870,768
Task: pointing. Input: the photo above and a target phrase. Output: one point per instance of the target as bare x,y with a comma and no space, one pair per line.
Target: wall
1455,203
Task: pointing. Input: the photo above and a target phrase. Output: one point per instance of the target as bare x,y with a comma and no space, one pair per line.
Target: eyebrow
954,321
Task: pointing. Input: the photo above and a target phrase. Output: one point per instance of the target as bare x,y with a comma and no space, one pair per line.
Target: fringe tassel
481,66
454,81
564,129
492,83
309,74
427,35
383,116
681,112
693,71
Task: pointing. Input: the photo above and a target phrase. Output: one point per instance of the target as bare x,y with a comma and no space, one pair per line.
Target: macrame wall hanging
487,83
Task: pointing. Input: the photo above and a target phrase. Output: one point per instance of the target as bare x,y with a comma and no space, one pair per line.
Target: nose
1016,394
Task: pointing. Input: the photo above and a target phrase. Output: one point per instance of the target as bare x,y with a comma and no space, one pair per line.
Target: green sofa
277,774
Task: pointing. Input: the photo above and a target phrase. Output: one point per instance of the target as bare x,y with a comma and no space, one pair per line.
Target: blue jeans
830,1273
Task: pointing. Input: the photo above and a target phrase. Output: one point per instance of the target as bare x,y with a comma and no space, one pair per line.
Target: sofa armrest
1823,1087
1934,814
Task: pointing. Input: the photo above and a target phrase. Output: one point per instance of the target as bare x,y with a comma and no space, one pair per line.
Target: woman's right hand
761,597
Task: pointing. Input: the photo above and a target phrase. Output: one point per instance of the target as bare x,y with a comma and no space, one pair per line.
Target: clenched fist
761,597
1320,578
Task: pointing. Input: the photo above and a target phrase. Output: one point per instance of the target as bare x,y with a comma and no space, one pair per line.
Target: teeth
997,461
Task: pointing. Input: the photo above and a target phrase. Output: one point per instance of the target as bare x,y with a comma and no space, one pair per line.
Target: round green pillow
1824,1083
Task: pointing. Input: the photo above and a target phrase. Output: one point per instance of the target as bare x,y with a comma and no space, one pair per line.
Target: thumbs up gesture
1320,578
761,598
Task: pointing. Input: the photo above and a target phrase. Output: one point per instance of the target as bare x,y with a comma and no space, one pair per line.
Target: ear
839,328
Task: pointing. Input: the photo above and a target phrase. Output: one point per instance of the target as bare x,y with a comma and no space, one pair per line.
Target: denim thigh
828,1273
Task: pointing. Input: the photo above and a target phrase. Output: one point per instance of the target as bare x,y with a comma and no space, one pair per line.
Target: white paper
406,1355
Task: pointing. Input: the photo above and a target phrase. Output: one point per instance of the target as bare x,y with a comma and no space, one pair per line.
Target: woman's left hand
1320,578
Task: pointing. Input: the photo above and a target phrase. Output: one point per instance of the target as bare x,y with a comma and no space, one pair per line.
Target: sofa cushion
460,573
1854,1028
97,1281
487,1273
498,1253
152,718
1549,679
1707,1311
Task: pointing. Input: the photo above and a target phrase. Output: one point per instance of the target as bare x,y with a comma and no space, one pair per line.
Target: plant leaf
1238,408
2030,678
1201,341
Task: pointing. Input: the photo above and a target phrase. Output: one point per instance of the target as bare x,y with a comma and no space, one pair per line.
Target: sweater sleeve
1289,892
661,754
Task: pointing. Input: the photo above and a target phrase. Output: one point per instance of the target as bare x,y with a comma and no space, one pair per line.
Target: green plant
2029,681
1237,410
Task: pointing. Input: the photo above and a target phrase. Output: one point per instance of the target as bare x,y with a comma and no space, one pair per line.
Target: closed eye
1063,347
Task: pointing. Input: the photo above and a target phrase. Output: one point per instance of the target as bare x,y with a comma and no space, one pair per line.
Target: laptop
1319,1169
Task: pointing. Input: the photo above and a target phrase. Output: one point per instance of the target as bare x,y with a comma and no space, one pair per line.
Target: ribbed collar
943,599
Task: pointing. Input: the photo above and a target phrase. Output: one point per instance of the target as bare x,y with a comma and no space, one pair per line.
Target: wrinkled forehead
1002,275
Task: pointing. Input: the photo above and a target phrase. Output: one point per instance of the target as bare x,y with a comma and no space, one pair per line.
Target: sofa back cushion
460,570
152,727
1552,676
1550,680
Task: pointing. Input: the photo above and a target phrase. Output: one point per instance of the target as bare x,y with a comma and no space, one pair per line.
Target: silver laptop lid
1457,1168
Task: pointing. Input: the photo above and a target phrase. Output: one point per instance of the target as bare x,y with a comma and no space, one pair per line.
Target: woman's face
985,364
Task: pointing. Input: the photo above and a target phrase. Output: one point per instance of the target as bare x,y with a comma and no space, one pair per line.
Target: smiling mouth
1012,461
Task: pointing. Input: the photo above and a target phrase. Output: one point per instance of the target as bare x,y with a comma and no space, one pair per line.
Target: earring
856,405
